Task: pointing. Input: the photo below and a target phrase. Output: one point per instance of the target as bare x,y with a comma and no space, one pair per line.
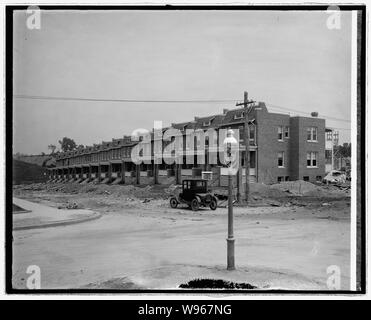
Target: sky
285,59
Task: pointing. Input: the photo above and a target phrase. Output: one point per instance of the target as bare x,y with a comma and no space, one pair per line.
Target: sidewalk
41,216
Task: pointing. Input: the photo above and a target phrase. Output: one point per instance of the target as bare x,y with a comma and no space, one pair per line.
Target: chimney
225,111
196,118
314,114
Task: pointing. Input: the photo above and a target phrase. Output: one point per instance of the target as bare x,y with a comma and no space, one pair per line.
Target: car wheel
213,204
195,205
173,203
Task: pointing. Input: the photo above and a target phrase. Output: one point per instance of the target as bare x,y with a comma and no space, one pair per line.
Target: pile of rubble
304,188
119,191
147,193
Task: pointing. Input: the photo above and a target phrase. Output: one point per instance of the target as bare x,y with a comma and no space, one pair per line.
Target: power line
36,97
298,111
120,100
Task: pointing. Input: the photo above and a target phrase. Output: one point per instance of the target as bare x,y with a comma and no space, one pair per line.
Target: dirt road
153,246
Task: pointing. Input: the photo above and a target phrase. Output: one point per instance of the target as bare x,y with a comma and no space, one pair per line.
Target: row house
281,148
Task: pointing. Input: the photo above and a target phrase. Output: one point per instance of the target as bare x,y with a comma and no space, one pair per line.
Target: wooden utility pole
246,138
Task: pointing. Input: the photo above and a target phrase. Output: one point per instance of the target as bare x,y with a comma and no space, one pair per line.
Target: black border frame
361,110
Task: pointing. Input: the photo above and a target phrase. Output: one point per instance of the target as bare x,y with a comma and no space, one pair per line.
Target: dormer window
238,116
206,123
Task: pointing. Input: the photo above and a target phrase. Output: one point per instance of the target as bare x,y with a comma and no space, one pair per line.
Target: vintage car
195,194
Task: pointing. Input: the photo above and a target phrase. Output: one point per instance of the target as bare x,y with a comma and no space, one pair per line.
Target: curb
22,211
94,216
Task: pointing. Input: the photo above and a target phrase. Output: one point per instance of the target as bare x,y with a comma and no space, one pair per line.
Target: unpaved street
150,245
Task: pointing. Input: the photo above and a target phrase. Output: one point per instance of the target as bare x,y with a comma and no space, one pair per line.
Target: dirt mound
259,192
24,172
304,188
265,191
119,191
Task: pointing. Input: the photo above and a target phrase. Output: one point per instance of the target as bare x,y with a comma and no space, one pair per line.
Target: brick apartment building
282,148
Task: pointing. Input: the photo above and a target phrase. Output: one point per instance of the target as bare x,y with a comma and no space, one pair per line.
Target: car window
199,184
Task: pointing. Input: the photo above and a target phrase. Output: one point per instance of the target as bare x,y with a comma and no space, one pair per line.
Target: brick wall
300,146
269,146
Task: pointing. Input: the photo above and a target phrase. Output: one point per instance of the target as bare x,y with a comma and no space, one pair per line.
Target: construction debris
72,206
335,176
286,194
304,188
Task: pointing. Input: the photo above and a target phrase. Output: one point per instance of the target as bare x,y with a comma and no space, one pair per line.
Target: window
306,178
287,132
312,134
241,132
252,133
280,133
287,178
238,116
311,159
279,179
314,159
281,159
328,156
318,178
206,123
199,183
329,135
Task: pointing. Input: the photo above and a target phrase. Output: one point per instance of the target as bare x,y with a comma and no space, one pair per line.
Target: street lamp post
230,148
230,239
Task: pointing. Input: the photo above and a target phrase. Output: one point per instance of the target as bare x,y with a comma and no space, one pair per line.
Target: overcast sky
286,59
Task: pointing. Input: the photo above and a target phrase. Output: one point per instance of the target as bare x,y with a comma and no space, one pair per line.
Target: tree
341,152
52,147
67,144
